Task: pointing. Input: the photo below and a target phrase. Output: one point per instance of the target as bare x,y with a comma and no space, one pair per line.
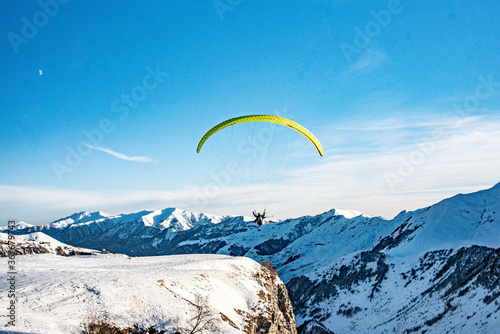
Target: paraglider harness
259,218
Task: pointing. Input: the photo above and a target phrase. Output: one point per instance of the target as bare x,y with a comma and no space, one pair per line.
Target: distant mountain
80,218
19,226
38,243
432,270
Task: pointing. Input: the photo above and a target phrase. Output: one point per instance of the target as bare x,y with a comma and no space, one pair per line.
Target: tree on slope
204,318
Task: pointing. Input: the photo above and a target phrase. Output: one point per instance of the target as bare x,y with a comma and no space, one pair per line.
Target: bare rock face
274,314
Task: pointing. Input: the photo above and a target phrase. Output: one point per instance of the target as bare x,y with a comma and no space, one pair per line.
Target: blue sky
403,95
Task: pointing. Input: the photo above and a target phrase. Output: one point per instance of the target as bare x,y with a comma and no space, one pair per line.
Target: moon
40,72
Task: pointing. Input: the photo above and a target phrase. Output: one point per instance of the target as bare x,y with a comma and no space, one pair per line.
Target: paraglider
251,160
259,218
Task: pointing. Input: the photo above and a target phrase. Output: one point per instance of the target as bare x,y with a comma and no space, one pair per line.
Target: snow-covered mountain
123,232
61,295
432,270
19,226
38,243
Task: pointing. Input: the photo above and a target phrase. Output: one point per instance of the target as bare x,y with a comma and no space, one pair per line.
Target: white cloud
400,123
422,170
123,156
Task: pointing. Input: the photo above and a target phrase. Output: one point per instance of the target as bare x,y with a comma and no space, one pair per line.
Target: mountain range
432,270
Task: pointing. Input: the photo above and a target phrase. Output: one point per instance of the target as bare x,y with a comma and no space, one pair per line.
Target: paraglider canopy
263,118
255,154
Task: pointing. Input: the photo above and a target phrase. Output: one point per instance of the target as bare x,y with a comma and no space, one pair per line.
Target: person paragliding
239,151
259,218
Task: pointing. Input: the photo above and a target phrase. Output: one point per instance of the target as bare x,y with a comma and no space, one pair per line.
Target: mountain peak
81,217
176,218
345,213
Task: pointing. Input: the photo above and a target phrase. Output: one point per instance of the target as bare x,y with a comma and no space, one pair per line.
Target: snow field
57,294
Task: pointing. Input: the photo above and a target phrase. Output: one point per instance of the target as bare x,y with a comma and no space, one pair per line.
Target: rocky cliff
274,313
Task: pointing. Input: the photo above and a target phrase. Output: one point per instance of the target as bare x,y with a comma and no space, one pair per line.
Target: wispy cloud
370,59
400,123
432,162
123,156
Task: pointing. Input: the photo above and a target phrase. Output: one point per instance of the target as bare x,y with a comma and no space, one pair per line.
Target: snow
81,217
399,306
19,226
349,213
44,240
336,237
56,294
35,236
316,247
459,221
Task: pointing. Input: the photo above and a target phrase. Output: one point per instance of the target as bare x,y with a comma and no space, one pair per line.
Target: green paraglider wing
263,118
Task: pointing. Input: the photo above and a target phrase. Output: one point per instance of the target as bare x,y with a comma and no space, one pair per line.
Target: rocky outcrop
274,312
475,264
313,327
366,267
434,291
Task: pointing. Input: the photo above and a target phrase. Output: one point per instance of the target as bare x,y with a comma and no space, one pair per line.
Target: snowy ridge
462,220
174,218
177,219
19,226
80,218
38,243
35,236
